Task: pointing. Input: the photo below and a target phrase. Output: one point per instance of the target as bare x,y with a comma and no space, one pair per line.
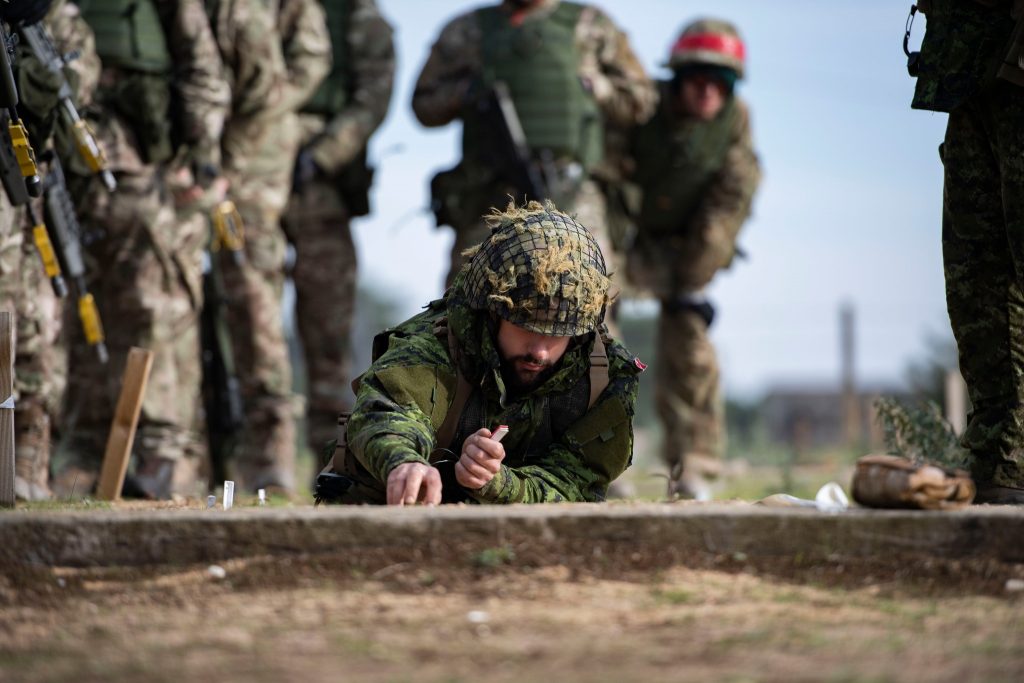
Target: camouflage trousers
983,253
265,453
316,223
687,395
39,363
145,272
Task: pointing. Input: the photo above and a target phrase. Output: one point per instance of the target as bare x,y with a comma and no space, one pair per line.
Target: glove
888,481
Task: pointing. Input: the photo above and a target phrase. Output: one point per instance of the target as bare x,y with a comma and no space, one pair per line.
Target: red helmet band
711,42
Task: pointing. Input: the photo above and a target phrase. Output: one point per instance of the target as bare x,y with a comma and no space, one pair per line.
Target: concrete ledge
117,538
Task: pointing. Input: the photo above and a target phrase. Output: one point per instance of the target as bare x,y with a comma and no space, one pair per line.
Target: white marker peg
499,433
229,494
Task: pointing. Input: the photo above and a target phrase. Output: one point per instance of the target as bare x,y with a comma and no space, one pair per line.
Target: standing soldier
24,288
971,65
161,98
276,62
565,69
331,186
696,167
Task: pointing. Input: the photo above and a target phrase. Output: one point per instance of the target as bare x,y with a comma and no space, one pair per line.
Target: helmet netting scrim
539,269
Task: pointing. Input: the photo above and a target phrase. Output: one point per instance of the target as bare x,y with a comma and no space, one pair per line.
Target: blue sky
849,209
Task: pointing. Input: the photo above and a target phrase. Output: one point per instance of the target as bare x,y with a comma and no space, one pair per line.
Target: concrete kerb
177,537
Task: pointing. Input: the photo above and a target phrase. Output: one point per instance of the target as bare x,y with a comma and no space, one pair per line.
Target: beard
522,380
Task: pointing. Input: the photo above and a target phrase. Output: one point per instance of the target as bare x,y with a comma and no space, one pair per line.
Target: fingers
430,491
412,483
481,441
470,480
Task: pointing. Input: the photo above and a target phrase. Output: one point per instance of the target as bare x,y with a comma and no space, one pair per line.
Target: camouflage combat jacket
555,451
368,53
967,46
608,65
698,180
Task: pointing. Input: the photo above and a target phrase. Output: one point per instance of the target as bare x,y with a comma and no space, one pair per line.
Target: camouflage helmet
709,42
540,270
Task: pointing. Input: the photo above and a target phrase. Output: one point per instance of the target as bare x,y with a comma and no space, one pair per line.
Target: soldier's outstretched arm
724,208
307,49
372,54
612,70
449,73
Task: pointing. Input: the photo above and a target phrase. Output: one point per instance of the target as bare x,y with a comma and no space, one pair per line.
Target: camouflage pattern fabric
145,271
404,396
983,220
259,146
680,256
616,78
316,222
969,67
687,394
40,363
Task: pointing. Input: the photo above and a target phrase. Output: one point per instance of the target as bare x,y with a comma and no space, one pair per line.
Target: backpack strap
463,389
598,369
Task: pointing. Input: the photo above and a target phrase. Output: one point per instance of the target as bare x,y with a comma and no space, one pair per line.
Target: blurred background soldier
971,65
25,288
696,167
533,82
331,186
161,100
260,143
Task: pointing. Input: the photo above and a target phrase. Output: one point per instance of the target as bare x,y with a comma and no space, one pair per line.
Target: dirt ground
497,616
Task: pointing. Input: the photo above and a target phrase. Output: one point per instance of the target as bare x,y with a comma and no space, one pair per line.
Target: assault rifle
222,397
508,152
39,41
58,239
66,234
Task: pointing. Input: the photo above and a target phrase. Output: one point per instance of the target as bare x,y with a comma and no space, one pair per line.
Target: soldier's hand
480,461
414,482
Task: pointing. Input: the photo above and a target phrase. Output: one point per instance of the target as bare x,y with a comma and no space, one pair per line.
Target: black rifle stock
222,398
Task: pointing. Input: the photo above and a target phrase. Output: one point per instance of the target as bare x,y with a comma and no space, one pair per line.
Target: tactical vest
540,63
128,34
677,160
333,94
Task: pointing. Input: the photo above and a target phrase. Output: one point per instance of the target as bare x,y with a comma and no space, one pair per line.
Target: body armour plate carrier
333,94
677,159
540,63
128,34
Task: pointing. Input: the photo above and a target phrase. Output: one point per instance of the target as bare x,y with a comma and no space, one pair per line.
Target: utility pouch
459,199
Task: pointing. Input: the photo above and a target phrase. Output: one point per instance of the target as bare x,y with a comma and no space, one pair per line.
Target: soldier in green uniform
160,105
567,70
330,188
971,65
518,340
696,168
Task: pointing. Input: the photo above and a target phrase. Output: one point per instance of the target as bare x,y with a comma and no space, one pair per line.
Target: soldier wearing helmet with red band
696,168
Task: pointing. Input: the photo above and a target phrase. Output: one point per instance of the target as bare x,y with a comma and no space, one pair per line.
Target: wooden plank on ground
126,419
7,412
